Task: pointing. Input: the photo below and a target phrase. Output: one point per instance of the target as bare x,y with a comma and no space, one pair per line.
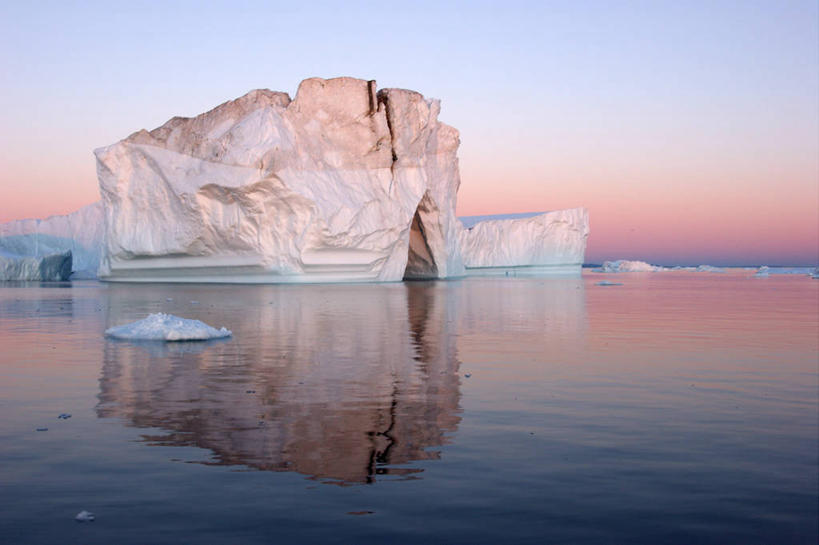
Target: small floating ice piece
609,283
167,327
710,268
64,416
85,516
763,272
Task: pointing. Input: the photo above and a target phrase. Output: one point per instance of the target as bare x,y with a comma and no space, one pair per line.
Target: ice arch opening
420,260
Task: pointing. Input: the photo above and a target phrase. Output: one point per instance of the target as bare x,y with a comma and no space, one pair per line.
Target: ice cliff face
545,243
341,183
53,267
79,233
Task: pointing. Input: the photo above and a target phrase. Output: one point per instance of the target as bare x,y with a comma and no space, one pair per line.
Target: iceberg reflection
341,383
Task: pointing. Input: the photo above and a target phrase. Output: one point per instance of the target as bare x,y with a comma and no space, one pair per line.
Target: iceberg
709,268
166,327
79,233
763,272
52,267
343,183
622,265
551,242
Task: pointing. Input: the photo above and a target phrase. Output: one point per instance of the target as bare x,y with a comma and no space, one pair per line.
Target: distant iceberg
764,271
167,327
52,267
79,233
622,265
710,268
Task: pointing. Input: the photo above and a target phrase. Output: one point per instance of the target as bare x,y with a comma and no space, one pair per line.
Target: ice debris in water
763,272
609,283
85,516
167,327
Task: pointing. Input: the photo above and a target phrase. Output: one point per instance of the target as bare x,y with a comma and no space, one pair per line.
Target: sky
690,130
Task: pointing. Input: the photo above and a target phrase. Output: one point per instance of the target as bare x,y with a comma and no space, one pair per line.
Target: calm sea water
677,408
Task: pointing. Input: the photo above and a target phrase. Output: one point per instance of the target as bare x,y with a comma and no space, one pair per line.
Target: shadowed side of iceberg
52,267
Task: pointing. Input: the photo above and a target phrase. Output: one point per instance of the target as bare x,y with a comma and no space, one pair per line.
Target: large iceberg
342,183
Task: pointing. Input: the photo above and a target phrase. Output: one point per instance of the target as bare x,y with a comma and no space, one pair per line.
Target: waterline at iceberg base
343,183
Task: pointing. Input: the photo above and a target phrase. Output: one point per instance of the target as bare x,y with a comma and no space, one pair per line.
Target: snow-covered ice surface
167,327
52,267
470,221
79,232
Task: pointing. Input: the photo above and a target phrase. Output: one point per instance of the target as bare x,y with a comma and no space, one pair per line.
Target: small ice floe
815,273
169,299
762,272
64,416
194,302
167,327
85,516
609,283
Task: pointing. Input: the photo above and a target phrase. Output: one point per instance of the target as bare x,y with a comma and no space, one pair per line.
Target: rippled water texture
675,408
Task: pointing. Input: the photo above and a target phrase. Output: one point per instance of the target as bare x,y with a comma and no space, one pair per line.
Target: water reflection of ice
161,349
342,383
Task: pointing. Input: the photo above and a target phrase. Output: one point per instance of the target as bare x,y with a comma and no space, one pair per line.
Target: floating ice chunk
167,327
763,272
815,273
85,516
710,268
622,265
64,416
609,283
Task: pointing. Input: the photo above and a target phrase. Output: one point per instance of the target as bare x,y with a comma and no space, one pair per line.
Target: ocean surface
678,407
